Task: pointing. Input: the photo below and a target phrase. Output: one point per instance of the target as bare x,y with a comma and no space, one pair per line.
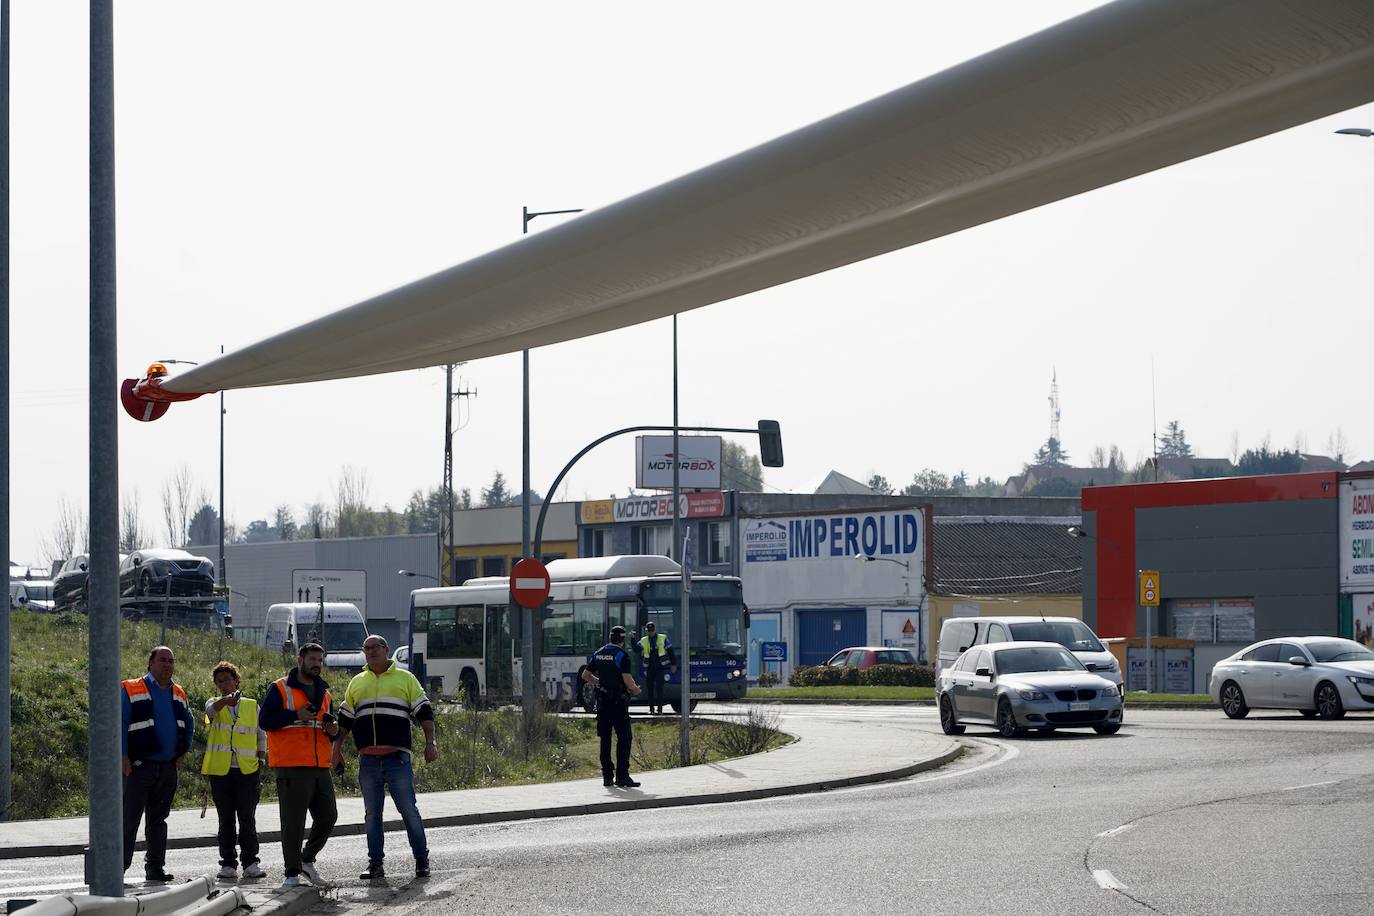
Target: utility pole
446,519
5,761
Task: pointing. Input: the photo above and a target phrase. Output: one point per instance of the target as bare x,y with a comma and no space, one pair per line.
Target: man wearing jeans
377,708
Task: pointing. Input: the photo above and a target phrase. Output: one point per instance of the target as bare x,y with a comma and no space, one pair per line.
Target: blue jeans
393,773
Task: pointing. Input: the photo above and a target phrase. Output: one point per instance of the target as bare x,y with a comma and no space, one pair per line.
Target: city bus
465,637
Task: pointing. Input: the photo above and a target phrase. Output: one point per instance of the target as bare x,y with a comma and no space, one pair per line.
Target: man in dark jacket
609,669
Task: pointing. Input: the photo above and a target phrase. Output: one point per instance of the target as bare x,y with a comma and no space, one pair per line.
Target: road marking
1107,881
6,883
1310,785
1117,830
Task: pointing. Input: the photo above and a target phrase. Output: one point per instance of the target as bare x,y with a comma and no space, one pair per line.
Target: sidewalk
829,753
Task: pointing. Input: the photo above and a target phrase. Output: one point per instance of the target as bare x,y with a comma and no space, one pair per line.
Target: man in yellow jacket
235,752
378,708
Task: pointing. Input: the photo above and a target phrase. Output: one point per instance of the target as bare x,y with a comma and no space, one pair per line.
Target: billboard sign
654,508
339,585
698,463
1357,532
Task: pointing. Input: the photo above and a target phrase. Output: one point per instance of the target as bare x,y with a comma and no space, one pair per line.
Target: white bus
463,637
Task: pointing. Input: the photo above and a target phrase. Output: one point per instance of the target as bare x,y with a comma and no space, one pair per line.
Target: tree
740,469
1173,443
878,484
929,482
178,498
317,523
498,494
204,527
352,517
131,533
1051,454
986,486
259,532
284,523
69,533
1056,486
1262,460
1337,446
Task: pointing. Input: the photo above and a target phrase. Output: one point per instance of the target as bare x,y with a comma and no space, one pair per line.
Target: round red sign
529,583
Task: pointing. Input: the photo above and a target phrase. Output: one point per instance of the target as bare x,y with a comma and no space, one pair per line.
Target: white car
1316,675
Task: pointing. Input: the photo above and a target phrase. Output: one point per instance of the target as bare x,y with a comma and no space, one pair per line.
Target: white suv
959,633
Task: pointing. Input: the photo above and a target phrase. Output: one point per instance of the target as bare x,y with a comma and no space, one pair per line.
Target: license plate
1077,707
702,696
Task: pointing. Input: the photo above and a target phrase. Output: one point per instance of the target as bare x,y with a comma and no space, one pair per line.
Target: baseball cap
617,631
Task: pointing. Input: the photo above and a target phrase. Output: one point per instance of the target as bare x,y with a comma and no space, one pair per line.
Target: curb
824,702
286,902
496,817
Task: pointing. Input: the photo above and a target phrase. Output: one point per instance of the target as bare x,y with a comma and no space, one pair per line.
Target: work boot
375,872
627,783
422,868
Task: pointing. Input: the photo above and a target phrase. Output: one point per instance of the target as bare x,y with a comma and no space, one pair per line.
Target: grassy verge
477,748
1136,698
841,693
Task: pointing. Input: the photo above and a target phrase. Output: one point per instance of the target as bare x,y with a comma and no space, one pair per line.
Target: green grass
1136,698
841,693
477,748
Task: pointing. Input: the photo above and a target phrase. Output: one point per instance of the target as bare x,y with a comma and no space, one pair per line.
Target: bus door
499,649
626,614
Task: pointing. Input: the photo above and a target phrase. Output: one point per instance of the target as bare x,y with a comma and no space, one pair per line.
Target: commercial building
489,541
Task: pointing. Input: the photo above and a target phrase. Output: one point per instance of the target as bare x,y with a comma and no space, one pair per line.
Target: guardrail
200,894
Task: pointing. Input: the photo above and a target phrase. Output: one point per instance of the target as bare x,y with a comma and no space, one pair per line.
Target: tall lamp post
527,617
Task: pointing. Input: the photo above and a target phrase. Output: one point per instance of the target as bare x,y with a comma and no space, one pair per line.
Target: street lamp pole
529,652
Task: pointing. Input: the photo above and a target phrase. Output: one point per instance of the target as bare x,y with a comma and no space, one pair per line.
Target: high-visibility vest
143,741
300,744
228,736
660,642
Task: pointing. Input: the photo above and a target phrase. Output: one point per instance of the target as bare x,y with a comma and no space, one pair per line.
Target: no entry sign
529,583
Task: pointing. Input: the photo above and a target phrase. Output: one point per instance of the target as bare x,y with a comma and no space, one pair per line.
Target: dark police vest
608,664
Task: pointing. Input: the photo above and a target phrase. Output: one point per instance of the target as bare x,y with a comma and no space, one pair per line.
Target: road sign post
530,583
1149,599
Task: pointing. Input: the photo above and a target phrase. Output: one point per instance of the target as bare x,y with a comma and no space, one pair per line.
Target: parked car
294,624
69,585
1015,686
34,594
960,633
1316,675
401,656
150,573
868,656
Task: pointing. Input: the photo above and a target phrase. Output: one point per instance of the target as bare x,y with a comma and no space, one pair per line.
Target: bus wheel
587,697
677,706
472,694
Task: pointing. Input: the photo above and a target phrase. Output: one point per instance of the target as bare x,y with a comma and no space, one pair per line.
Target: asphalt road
1182,812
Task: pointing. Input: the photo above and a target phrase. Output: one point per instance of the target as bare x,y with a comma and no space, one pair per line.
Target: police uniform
612,710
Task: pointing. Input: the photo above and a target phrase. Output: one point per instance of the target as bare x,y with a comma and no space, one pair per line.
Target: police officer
656,650
609,669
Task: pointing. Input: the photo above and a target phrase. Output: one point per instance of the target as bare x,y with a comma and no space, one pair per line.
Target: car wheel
1110,728
1233,701
948,723
677,706
1307,713
1006,720
145,583
1329,704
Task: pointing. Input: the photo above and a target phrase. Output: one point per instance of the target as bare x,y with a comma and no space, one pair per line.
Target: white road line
1107,881
1116,830
43,889
6,883
1310,785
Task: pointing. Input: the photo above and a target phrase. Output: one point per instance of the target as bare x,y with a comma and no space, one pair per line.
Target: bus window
560,636
717,615
455,632
588,623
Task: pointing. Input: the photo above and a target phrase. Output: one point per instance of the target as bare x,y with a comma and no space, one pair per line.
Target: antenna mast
446,515
1054,405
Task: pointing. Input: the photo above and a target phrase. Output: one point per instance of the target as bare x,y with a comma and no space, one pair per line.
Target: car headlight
1031,694
1365,682
1110,691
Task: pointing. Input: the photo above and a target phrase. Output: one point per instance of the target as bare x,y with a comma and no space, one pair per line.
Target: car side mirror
138,561
23,599
983,672
1299,661
963,649
83,566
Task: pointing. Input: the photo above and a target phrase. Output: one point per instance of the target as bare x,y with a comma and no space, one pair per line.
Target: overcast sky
279,161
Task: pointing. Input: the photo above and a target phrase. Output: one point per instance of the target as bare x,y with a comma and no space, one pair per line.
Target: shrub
768,679
752,733
877,676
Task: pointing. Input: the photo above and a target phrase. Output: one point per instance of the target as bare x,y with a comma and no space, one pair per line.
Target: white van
959,633
290,626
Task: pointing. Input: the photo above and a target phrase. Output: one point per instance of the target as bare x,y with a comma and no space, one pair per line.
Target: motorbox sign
652,508
1357,532
698,462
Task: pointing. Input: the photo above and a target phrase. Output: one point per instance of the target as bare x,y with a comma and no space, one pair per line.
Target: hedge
876,676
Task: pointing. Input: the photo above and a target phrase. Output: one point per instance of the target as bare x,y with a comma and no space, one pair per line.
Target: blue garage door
825,631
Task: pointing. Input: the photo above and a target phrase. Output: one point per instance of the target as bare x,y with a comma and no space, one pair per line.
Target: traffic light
770,443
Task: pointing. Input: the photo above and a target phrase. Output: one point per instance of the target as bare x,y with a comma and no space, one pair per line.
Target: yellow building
488,542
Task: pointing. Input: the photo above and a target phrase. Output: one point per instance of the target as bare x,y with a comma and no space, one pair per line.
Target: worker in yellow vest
235,752
656,653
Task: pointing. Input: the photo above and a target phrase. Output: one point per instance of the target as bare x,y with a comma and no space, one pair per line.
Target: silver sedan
1316,675
1016,686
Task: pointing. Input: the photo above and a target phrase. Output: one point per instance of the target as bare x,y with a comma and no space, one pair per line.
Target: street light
865,558
1356,131
406,572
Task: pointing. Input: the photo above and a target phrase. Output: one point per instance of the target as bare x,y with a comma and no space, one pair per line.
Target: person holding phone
235,750
300,725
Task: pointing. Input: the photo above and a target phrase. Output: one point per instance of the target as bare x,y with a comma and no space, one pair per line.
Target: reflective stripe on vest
300,744
227,736
660,642
143,741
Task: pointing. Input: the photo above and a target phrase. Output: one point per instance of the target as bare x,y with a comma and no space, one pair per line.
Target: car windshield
1071,634
717,622
339,636
1037,658
38,592
1340,650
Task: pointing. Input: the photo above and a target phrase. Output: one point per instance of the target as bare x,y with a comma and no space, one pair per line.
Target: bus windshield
717,608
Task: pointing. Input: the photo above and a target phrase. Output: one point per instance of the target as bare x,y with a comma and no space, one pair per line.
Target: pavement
831,751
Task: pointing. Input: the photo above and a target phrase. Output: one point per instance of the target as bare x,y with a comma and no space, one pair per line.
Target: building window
493,566
717,543
464,568
598,542
656,540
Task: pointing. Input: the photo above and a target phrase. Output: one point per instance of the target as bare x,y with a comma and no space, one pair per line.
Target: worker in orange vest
298,717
